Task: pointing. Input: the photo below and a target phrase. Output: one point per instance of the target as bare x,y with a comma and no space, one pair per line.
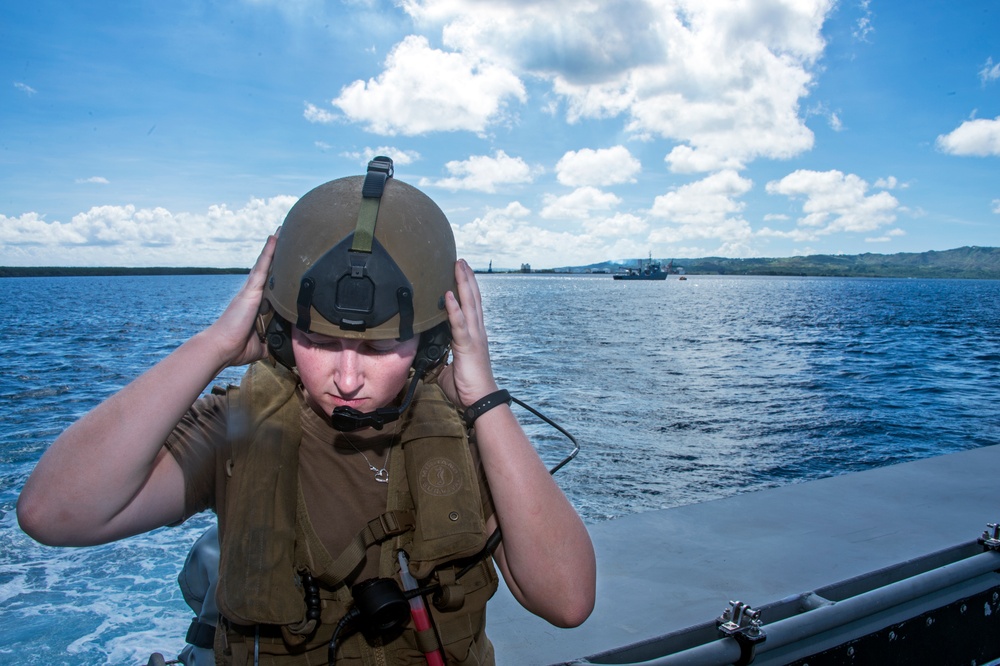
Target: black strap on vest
200,635
333,572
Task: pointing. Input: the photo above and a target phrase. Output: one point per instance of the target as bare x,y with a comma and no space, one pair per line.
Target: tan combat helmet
365,257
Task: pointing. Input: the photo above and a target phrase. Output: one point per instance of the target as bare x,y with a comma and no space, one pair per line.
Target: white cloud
580,204
685,159
705,209
833,119
596,100
605,166
491,230
617,226
863,27
130,236
31,229
711,198
834,202
887,237
990,72
978,137
97,180
996,206
314,114
578,41
724,79
483,173
731,79
25,88
505,237
424,90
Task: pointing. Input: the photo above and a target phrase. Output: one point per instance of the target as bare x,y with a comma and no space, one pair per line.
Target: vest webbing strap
333,572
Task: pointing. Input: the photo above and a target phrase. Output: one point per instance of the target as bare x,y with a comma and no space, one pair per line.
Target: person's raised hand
235,330
470,375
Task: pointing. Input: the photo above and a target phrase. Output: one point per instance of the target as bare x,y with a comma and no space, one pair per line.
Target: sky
551,132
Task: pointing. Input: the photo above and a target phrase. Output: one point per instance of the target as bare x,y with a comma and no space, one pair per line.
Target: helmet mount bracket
357,285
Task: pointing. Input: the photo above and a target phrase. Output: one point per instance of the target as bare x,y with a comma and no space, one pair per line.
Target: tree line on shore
965,262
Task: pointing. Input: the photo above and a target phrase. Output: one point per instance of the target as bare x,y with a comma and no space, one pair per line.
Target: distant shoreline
962,263
974,262
112,271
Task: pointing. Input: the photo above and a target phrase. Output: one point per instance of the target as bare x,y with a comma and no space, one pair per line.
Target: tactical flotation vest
275,576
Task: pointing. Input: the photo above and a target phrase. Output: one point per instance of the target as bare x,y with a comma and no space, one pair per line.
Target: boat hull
898,544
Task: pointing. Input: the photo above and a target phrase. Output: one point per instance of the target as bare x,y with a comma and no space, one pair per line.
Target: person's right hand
235,330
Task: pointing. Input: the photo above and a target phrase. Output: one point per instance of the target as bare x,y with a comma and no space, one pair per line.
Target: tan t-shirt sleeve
197,443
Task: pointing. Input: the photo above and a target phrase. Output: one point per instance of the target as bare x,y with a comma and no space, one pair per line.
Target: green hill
963,262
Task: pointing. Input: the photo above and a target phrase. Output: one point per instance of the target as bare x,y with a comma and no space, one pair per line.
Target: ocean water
677,391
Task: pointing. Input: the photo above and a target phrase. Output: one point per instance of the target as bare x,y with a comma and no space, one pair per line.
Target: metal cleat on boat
991,542
742,623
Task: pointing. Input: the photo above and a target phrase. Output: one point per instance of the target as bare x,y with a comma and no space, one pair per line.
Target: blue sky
551,132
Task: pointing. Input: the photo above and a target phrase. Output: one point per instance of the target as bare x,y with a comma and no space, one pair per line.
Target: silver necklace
381,473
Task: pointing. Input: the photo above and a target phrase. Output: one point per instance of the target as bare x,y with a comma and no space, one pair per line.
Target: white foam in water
113,604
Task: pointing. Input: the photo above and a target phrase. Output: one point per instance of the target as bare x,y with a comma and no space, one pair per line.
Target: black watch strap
473,412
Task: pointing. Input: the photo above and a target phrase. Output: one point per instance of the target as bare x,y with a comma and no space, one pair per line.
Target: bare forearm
546,554
109,475
98,467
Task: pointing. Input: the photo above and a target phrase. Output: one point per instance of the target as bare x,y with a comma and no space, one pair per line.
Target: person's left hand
470,375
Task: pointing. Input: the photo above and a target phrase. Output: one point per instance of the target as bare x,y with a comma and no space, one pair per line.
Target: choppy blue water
678,391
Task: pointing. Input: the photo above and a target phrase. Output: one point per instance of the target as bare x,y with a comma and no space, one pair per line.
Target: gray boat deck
663,571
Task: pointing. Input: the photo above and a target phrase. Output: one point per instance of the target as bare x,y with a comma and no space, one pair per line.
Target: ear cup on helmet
433,348
278,336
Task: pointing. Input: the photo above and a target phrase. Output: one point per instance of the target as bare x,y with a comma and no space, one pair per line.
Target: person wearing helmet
350,462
